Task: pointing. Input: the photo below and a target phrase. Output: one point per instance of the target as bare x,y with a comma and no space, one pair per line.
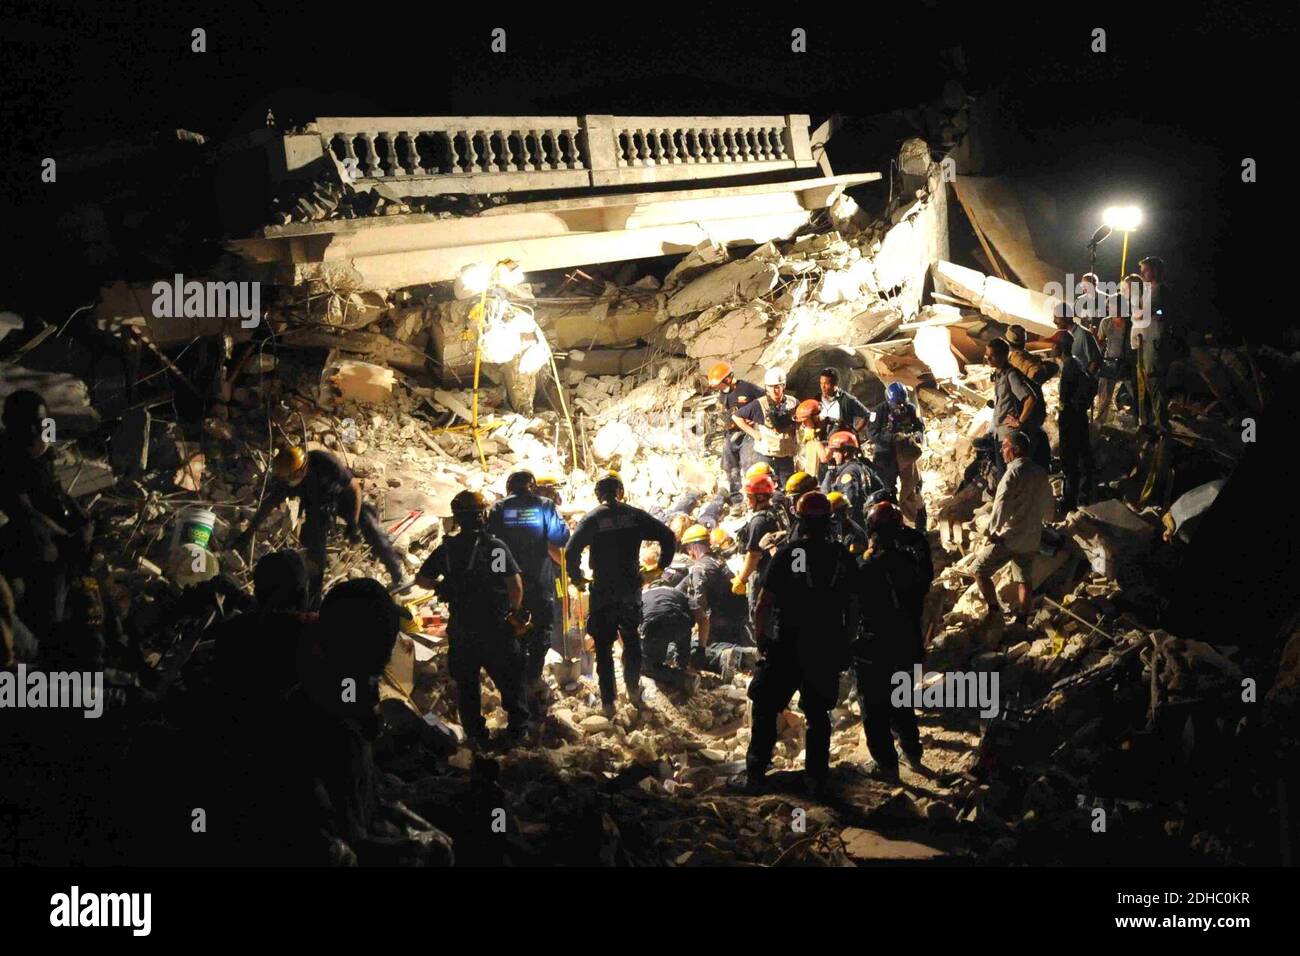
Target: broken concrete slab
740,281
870,846
354,381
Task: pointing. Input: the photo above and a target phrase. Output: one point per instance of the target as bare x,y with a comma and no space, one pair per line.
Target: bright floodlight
474,278
1123,218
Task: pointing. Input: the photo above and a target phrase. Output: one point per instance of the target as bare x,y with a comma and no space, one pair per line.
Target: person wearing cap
733,395
892,589
840,410
614,531
1015,529
769,420
1078,389
849,474
477,575
894,428
328,490
533,530
721,616
806,612
1030,366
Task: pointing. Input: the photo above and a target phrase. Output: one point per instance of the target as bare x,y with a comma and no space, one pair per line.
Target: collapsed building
442,301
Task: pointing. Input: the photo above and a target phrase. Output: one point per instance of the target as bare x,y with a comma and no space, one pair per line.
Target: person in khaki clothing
812,437
770,422
1032,368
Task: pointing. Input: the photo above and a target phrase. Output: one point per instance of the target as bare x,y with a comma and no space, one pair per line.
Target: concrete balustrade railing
479,154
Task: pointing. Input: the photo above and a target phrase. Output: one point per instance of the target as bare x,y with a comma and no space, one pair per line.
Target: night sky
1163,119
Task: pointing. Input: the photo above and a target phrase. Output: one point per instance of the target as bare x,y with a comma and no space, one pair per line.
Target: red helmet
884,516
760,485
813,504
841,440
806,409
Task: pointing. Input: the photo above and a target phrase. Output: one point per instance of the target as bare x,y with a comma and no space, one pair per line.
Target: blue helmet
896,393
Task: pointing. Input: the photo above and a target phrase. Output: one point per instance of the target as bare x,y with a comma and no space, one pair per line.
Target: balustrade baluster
574,135
778,141
508,159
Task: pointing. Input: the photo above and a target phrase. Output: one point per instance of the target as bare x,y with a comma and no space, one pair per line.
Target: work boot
819,788
634,697
914,762
874,771
608,710
752,781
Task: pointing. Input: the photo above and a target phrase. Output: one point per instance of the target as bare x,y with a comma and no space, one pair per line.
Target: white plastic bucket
194,526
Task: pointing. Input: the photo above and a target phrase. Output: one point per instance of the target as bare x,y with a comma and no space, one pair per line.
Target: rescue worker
769,420
894,429
892,592
806,611
46,540
796,485
1078,389
1030,366
477,576
911,541
737,445
849,474
1083,344
722,542
614,531
536,535
666,624
1017,404
766,518
328,491
840,410
721,616
812,437
843,528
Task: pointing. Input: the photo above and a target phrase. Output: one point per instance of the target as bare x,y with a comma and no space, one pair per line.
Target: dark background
1163,119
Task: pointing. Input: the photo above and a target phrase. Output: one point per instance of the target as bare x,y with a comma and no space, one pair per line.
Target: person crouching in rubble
666,623
891,592
770,422
1015,528
737,446
328,491
721,617
476,574
807,608
614,530
536,535
47,538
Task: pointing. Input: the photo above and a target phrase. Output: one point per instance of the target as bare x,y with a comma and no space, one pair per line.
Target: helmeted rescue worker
849,474
477,576
614,531
733,395
892,593
535,533
894,428
796,485
812,437
766,518
328,490
721,616
843,528
806,612
769,420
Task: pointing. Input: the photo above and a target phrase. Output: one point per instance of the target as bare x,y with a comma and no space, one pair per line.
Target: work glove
737,585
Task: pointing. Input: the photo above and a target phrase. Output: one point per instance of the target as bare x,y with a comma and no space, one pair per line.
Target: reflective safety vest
771,442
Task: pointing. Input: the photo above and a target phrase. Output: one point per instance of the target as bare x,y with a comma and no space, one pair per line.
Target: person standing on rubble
770,422
765,521
1078,389
806,610
891,590
476,574
1015,528
47,537
1084,345
536,535
849,474
843,528
614,530
1150,341
812,437
1030,366
1115,357
721,616
1017,404
895,428
328,491
840,410
737,445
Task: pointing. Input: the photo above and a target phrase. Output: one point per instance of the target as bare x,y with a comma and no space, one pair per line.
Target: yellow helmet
546,481
758,468
695,533
288,461
838,502
719,538
799,482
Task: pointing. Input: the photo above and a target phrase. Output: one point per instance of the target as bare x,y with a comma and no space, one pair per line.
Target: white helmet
774,376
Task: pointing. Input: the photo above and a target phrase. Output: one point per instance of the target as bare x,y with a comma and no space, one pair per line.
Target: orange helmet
806,409
760,485
719,374
841,440
813,504
288,461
